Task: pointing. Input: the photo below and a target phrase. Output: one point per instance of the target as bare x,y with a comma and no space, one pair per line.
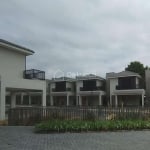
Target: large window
89,85
127,83
60,86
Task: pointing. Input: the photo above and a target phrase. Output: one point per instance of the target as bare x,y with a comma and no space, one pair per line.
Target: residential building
15,79
147,81
62,92
90,90
125,89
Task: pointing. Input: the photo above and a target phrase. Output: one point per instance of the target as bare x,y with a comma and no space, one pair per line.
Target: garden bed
85,126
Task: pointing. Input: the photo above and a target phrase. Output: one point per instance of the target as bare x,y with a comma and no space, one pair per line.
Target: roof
89,77
122,74
62,79
16,47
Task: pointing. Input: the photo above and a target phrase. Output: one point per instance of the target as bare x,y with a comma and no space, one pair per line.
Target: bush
78,126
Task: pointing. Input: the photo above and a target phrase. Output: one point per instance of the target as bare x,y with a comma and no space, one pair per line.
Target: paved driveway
22,138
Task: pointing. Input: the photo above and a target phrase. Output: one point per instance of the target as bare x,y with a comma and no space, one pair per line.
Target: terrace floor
23,138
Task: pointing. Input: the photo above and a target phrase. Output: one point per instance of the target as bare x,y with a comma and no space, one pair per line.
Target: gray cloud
81,36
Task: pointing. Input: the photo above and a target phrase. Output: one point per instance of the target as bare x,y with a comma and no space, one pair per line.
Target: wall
52,86
78,85
113,84
12,64
98,83
70,85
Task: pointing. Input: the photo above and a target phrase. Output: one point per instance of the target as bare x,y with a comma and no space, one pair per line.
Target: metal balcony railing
61,90
137,86
98,88
34,74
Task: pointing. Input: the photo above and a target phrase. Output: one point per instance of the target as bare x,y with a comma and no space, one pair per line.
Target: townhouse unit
62,92
90,90
16,79
125,89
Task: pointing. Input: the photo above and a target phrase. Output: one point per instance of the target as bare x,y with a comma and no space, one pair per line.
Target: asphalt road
23,138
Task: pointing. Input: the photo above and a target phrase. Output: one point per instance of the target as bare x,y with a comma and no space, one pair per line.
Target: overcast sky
79,36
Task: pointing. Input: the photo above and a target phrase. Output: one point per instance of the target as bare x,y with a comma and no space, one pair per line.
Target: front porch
128,98
65,100
91,99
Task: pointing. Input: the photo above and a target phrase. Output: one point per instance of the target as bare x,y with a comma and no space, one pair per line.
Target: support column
100,100
2,101
80,100
116,100
67,100
29,100
22,98
51,101
110,100
44,97
13,100
142,100
77,103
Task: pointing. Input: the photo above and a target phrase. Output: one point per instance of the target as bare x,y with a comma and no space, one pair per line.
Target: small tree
137,67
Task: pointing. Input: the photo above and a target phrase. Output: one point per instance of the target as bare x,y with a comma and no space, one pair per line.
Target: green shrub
78,126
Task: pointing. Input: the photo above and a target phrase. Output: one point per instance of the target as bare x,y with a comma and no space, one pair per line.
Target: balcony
98,88
34,74
129,87
61,90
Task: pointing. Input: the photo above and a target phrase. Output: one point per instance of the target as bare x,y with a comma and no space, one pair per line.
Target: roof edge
16,47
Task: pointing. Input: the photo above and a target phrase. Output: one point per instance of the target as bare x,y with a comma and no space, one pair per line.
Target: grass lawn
83,126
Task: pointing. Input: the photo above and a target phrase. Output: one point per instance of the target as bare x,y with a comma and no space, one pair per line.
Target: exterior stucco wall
52,86
25,84
113,84
79,84
70,85
12,64
99,83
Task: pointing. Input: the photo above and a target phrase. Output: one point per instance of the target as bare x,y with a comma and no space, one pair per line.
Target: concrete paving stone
23,138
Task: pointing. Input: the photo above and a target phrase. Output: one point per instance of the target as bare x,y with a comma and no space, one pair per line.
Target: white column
80,100
142,100
44,98
116,100
100,100
13,100
51,101
77,103
21,98
67,100
2,101
29,100
110,100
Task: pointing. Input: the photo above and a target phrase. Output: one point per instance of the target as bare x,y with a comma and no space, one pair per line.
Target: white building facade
90,90
62,92
14,78
124,89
